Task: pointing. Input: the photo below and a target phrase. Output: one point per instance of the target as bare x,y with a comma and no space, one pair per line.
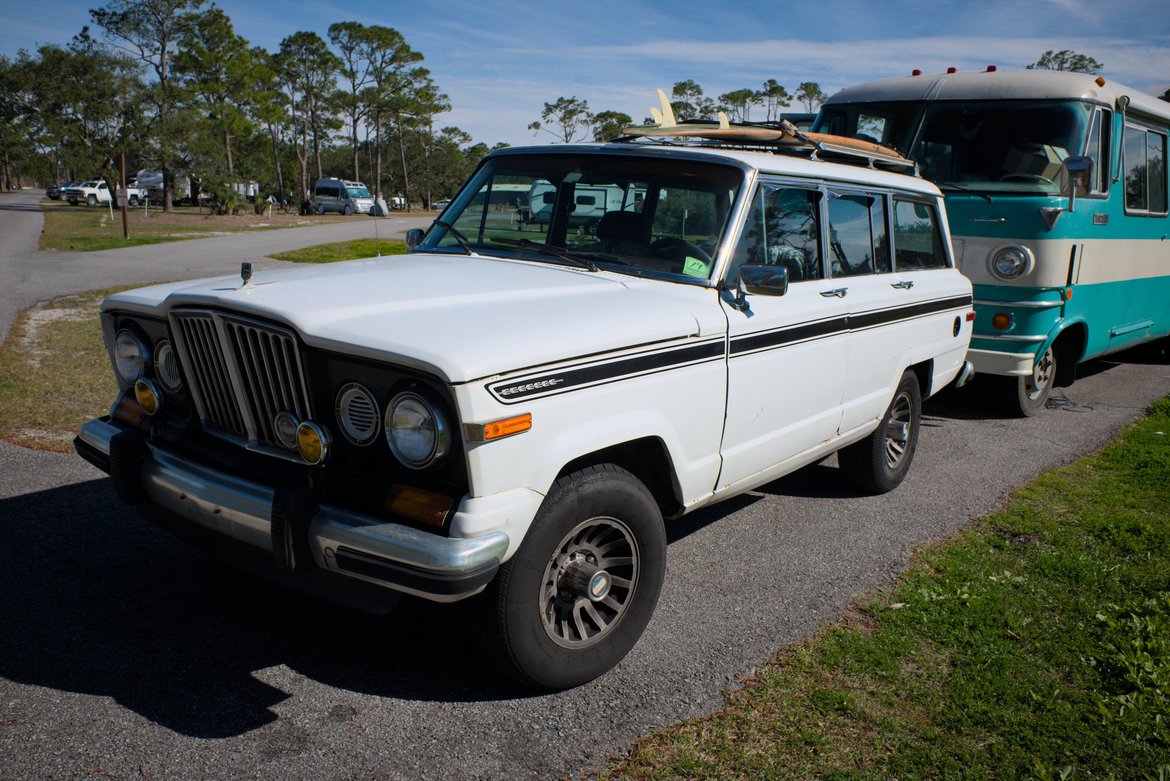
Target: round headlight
129,356
415,430
1011,262
166,367
357,414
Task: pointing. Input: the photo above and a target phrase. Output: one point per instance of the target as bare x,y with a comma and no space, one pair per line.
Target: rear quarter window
918,241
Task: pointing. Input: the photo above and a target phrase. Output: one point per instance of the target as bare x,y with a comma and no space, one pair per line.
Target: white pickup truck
93,192
513,416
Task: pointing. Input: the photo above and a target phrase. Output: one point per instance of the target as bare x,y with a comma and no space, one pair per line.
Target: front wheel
571,603
1025,396
91,200
348,211
879,462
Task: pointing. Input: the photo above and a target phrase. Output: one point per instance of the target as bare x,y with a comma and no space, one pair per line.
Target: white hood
461,317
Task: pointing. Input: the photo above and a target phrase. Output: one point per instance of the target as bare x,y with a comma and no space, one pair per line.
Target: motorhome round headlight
166,367
415,430
129,356
1011,262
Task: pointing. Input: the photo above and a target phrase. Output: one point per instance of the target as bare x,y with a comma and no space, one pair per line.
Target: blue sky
499,61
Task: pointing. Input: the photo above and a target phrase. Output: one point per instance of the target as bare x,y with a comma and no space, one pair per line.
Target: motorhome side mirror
414,237
763,280
1078,173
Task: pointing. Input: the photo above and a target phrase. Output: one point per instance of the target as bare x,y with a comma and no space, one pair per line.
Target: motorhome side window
917,241
1097,148
781,230
857,234
1144,157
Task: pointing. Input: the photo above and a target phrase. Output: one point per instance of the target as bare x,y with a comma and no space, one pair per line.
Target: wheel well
925,373
646,459
1069,347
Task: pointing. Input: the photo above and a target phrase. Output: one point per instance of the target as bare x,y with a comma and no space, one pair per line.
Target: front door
787,353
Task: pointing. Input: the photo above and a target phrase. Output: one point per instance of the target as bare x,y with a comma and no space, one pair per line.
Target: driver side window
782,229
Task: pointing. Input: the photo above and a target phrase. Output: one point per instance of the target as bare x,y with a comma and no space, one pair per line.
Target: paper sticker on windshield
693,267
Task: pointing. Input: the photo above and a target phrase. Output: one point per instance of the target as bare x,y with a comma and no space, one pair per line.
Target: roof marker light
1099,81
992,69
952,69
916,72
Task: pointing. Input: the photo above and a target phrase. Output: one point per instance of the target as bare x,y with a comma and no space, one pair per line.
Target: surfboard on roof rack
784,136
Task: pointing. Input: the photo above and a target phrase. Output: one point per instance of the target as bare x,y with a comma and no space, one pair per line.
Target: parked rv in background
1056,193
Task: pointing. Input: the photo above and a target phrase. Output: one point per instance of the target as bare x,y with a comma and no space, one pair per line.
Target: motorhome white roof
1002,85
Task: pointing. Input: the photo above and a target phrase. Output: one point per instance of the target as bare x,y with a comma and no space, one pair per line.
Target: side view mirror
763,280
413,237
1076,171
759,280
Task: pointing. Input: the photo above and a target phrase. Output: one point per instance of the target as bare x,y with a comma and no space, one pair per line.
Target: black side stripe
592,375
882,317
569,379
797,333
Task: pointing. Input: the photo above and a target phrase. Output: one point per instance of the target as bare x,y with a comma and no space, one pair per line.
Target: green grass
344,250
1035,645
54,373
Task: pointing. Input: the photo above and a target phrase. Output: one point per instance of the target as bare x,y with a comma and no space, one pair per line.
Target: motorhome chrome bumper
370,549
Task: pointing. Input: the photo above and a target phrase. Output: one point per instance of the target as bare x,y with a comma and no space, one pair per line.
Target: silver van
338,195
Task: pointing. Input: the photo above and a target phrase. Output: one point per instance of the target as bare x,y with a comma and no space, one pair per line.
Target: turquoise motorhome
1056,194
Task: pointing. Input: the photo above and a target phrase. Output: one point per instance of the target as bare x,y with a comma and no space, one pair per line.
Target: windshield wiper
464,244
550,249
961,189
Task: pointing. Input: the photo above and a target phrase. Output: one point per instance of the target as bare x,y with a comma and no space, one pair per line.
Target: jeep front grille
242,373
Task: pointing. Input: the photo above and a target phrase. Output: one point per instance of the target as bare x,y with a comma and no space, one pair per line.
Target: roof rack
772,137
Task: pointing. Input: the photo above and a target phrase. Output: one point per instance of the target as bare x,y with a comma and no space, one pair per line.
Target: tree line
175,88
569,119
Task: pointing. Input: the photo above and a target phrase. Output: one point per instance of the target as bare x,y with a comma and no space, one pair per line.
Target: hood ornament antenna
246,274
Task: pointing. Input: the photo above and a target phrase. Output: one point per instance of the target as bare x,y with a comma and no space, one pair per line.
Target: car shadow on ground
97,600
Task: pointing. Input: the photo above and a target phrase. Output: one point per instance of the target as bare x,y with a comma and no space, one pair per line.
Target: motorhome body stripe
552,383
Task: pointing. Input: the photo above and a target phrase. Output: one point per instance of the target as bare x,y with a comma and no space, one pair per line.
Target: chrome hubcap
1041,376
589,582
898,429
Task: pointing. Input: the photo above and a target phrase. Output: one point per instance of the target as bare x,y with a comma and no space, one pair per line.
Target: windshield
357,191
621,212
987,146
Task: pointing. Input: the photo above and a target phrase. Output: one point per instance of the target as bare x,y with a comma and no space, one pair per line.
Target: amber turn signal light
497,429
1002,321
419,505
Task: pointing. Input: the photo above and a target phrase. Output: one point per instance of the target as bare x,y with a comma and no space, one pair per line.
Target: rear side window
917,239
1144,156
857,234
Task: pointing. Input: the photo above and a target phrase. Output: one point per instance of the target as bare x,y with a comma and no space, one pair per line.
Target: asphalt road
124,654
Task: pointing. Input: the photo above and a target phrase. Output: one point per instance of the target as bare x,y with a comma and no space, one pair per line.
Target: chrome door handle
838,293
905,285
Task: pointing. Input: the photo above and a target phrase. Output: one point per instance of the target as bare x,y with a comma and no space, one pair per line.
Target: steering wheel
677,250
1029,178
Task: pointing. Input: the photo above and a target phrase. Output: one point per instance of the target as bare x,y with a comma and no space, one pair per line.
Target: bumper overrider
315,544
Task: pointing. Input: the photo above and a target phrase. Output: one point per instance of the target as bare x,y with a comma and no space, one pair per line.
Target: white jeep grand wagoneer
511,411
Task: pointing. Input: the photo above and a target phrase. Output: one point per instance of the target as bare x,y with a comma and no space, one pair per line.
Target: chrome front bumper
391,555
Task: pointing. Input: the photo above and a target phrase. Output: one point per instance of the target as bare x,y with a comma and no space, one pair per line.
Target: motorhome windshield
623,212
988,146
358,191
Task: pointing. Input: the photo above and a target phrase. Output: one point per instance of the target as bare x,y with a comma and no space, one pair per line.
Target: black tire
91,200
537,621
348,211
132,201
1026,396
320,210
879,463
